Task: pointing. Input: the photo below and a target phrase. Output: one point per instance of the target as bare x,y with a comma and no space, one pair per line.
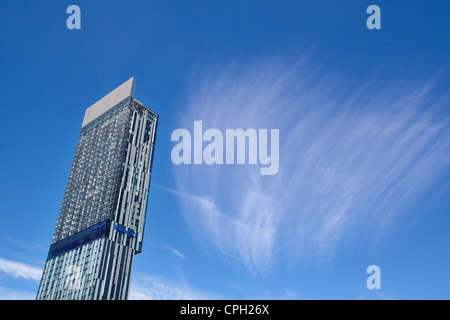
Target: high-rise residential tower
100,226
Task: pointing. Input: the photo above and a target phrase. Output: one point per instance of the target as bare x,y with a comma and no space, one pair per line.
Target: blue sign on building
129,232
98,226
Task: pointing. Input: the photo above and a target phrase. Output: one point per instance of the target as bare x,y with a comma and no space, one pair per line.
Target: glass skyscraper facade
100,226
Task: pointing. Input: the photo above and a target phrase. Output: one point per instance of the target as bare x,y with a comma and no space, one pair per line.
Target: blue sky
364,142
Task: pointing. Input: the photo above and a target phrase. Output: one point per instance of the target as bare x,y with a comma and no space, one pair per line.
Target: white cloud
174,251
150,287
247,239
20,270
353,161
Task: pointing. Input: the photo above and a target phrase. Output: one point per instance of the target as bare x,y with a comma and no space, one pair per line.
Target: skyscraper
100,226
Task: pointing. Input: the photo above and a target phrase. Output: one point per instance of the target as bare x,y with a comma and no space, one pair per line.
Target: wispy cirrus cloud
18,269
150,287
353,159
174,251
